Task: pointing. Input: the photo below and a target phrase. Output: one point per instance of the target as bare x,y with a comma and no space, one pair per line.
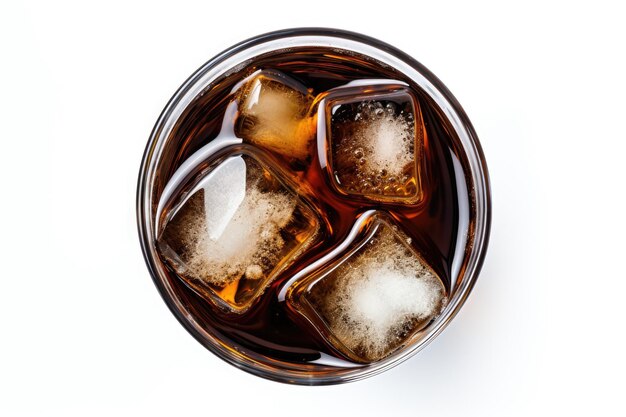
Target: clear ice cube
235,231
374,299
374,134
274,114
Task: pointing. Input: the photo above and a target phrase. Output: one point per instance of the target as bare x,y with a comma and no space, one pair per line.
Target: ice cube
274,114
375,133
235,231
376,298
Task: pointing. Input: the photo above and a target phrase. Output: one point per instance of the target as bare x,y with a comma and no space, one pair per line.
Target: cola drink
309,208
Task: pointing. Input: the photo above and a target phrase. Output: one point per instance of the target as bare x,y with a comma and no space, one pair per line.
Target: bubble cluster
373,302
374,152
250,245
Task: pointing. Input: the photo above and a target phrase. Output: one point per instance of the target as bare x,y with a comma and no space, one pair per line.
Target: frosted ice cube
373,138
273,114
375,299
236,231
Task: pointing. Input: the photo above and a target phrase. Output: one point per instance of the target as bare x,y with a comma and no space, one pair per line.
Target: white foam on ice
384,296
237,231
260,218
250,240
378,295
387,143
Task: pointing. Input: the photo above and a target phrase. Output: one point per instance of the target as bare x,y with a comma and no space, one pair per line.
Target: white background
84,332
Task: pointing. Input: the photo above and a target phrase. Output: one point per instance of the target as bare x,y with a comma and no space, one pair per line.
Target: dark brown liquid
271,330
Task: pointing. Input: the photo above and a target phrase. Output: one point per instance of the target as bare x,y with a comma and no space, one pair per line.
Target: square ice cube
235,231
371,137
375,298
274,114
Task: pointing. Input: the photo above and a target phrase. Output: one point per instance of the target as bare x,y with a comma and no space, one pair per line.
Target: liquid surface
270,329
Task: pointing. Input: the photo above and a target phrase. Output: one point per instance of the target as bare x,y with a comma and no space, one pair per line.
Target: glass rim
234,58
